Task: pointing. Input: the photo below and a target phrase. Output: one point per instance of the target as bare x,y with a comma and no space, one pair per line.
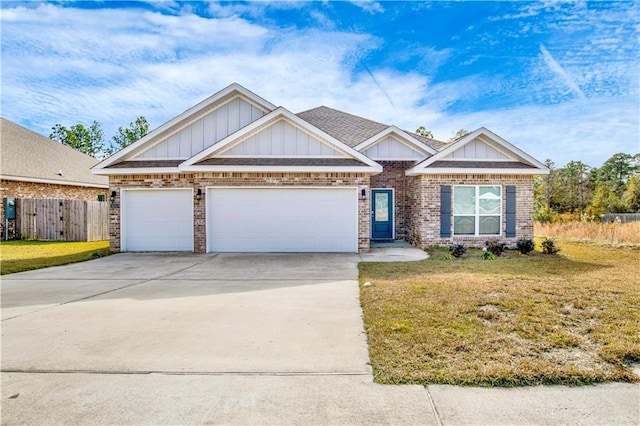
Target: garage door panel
282,219
157,220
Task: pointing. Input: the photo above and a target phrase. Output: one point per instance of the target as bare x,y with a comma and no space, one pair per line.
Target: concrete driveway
184,338
231,339
187,313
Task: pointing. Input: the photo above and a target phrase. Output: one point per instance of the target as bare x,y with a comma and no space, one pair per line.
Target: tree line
578,191
90,139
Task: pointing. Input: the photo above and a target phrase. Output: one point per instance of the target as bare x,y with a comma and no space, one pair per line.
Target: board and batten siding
477,150
391,148
206,131
281,139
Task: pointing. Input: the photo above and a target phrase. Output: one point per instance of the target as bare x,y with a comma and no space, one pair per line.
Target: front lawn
572,318
24,255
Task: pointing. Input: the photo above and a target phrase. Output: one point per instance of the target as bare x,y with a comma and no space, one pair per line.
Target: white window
477,210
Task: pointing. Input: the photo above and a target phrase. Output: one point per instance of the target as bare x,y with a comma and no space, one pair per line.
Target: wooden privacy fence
63,220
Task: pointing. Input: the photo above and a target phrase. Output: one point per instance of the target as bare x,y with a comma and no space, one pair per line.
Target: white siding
477,150
281,139
391,148
205,131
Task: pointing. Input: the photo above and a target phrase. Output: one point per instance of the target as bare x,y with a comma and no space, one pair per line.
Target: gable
281,139
204,132
392,148
477,149
480,152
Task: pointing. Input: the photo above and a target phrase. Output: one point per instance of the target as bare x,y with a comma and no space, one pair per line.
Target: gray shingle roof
27,154
351,129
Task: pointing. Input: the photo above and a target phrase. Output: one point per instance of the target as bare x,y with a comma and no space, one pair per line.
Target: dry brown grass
612,233
523,320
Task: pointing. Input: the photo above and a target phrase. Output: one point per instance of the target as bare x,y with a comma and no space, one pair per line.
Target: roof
29,156
482,164
352,129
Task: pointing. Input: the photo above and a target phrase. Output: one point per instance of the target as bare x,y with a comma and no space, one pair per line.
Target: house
34,166
235,173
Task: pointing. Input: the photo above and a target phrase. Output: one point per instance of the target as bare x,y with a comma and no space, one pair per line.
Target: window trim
476,215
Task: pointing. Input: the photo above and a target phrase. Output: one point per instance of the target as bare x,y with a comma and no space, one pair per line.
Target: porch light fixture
199,194
113,196
363,194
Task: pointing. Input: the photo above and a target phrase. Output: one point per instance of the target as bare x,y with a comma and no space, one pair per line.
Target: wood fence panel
62,220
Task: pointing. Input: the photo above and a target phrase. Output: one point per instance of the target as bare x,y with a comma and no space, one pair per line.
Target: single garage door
157,220
282,219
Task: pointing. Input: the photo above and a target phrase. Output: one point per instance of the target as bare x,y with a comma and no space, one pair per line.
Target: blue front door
381,214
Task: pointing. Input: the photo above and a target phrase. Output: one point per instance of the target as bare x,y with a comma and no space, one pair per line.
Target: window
477,210
102,197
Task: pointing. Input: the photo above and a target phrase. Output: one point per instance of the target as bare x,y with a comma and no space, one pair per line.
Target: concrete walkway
232,339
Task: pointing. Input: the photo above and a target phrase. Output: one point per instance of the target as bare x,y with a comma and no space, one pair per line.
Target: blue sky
560,80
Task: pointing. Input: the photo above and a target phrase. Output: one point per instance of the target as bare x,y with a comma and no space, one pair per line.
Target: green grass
572,318
25,255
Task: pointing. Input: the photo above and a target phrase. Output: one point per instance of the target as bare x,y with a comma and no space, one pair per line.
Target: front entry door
381,214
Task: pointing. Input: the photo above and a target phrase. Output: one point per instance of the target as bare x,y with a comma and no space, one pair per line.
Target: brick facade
19,189
393,176
204,180
423,226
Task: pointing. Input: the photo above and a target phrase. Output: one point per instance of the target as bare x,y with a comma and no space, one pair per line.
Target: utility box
10,208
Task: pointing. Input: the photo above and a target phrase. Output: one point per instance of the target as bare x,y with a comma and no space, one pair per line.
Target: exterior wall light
113,196
363,194
199,194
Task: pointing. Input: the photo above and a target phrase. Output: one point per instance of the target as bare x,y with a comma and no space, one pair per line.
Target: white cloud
68,65
560,72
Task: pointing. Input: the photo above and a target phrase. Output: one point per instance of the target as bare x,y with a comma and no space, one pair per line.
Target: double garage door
243,220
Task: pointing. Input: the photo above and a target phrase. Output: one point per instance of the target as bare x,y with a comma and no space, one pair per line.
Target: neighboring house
34,166
236,173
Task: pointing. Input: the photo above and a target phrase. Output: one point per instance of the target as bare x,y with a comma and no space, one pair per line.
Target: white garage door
157,220
282,220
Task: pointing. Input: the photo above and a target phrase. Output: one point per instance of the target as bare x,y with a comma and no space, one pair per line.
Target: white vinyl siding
391,148
476,150
157,220
477,210
281,139
205,131
282,220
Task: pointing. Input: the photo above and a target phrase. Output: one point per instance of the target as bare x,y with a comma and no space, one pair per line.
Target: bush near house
520,320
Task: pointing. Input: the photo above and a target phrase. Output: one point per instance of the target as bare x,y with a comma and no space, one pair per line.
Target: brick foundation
204,180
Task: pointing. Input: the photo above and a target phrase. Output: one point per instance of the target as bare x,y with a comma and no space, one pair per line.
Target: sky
560,80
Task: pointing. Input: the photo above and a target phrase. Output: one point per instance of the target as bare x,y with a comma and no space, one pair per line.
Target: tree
616,171
424,132
125,137
632,194
574,177
87,140
460,133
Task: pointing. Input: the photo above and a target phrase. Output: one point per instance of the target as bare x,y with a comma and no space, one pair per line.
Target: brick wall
393,176
17,189
204,180
423,226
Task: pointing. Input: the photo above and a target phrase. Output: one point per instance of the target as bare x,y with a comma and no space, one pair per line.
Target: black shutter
445,211
511,212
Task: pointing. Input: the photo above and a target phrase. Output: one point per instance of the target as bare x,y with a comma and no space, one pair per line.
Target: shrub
549,246
487,255
495,247
525,245
457,250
